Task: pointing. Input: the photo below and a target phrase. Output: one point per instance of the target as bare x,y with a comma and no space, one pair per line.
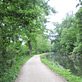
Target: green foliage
43,45
68,43
69,32
68,38
11,73
63,72
20,22
78,45
79,4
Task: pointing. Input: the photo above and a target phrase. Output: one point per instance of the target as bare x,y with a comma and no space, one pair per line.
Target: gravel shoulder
35,71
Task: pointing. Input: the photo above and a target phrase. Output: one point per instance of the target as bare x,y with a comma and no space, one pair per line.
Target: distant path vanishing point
35,71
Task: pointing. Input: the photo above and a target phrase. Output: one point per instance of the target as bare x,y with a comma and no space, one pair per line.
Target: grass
63,72
12,73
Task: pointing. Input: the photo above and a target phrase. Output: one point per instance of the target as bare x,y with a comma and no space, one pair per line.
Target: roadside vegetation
65,73
11,74
22,23
23,33
66,43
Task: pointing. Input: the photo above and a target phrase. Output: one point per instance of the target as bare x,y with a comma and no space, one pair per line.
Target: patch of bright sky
62,7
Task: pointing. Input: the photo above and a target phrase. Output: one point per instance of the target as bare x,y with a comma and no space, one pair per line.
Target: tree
42,45
17,18
65,35
68,38
78,49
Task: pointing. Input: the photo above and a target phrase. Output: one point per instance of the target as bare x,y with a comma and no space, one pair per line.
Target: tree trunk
36,47
36,51
29,43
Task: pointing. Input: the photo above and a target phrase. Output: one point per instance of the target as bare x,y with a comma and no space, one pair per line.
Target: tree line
68,35
22,26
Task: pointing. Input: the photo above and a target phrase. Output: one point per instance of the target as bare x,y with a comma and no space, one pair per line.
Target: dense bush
10,74
63,72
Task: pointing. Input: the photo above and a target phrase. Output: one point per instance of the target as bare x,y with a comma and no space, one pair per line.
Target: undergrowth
63,72
11,74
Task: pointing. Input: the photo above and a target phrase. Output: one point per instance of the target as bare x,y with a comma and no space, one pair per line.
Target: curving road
35,71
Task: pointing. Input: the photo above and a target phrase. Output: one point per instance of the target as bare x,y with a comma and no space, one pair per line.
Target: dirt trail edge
35,71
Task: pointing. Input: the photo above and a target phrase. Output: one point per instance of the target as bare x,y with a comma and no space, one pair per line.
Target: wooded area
22,32
68,35
67,42
22,26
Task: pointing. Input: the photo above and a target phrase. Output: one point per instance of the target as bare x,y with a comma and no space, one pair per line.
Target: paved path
35,71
